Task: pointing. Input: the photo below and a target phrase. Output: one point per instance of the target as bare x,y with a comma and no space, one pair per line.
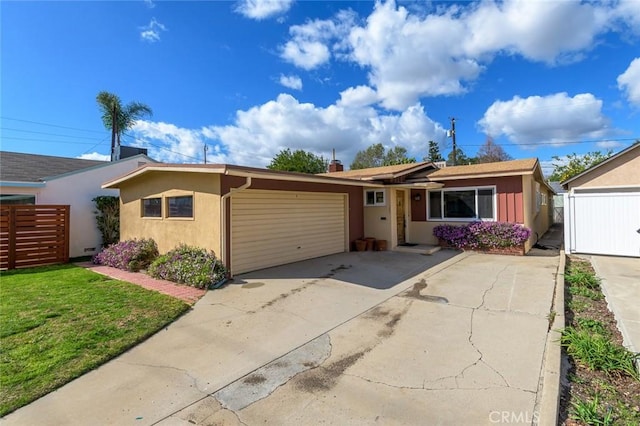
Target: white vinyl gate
601,222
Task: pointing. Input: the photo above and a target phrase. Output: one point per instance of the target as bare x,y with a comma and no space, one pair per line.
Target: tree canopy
376,156
461,158
491,152
298,161
434,152
575,164
123,116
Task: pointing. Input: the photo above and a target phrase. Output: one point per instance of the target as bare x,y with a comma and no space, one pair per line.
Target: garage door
270,228
604,223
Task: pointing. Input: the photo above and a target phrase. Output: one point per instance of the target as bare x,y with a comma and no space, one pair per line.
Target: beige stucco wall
375,226
203,230
621,171
539,222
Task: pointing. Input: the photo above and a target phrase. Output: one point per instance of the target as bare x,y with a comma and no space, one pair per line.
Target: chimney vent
335,165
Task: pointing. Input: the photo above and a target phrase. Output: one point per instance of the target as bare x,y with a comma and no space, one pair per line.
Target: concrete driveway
356,338
621,286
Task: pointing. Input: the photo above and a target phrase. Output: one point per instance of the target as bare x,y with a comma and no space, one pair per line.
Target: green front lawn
59,322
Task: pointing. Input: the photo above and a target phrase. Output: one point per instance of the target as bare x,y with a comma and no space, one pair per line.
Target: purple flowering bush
479,235
189,265
129,255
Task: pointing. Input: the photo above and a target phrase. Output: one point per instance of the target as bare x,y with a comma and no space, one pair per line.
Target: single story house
45,179
256,218
602,207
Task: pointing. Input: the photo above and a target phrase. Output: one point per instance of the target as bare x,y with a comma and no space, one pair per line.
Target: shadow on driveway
379,270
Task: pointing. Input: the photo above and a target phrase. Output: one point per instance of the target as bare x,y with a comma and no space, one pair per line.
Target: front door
400,221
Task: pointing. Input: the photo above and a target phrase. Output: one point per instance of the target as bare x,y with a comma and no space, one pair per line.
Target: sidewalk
621,286
183,292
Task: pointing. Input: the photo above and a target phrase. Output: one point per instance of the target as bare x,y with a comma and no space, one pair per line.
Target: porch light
417,197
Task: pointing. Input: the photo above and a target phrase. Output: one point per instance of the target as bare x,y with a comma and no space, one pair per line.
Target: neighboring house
44,179
256,218
602,207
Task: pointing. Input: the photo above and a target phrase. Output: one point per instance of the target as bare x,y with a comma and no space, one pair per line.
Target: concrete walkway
621,286
357,338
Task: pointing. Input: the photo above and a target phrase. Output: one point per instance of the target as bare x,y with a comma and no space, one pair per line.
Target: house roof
20,167
384,172
232,170
635,146
527,166
501,168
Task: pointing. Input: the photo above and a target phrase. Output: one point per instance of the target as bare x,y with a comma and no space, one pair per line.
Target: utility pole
453,138
206,148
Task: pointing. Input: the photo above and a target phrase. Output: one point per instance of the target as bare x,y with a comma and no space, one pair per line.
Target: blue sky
250,78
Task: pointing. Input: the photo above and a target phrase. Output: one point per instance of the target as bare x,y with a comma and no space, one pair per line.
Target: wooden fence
33,235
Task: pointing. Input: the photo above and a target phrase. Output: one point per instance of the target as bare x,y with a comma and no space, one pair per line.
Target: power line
163,148
560,143
48,124
48,140
46,133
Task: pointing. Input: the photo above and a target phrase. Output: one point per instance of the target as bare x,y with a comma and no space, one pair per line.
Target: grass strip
59,322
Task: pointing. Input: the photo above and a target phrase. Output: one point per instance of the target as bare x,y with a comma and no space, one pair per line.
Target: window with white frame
374,197
462,204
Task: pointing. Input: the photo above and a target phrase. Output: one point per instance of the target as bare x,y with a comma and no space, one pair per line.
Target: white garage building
602,207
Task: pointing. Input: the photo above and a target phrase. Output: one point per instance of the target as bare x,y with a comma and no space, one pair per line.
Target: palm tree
118,117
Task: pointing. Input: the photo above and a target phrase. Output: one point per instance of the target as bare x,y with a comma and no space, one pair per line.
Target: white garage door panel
270,228
607,223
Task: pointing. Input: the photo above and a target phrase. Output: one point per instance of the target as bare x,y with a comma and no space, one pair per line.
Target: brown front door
400,221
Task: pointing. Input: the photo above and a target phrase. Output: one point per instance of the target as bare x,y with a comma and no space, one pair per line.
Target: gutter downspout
223,217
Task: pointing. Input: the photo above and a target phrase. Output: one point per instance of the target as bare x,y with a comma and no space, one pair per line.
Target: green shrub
598,352
108,218
193,266
579,276
129,255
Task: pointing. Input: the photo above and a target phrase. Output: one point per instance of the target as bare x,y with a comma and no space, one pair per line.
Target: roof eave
242,172
22,184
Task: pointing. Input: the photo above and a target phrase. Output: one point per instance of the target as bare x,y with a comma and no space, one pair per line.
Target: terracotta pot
381,245
370,243
361,245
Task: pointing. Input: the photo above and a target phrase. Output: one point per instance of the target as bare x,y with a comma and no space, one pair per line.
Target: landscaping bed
602,386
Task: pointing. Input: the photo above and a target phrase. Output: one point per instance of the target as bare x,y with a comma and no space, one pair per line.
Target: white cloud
628,11
291,81
358,96
151,32
263,9
150,4
259,133
179,145
556,118
95,156
614,145
442,52
311,43
629,82
547,31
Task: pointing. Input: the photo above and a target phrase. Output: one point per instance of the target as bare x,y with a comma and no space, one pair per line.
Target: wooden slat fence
33,235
